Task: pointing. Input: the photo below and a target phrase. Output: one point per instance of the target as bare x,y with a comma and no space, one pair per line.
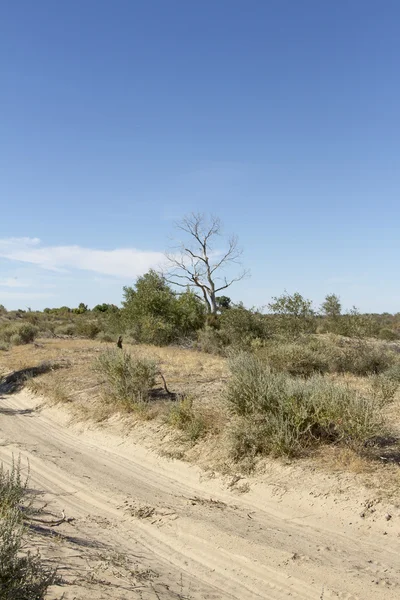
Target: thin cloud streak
120,262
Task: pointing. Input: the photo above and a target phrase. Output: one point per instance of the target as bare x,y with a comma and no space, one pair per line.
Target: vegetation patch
282,415
23,575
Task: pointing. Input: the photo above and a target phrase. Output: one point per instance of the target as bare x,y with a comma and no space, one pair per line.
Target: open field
148,525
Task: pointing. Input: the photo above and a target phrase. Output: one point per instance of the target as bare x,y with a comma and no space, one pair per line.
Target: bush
87,329
209,341
239,327
22,574
287,415
361,358
129,379
19,333
312,354
183,417
388,334
67,329
296,359
102,336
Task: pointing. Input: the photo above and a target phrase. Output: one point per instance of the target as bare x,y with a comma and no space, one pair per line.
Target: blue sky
281,117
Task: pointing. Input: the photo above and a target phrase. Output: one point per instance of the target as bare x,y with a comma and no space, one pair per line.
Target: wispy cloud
13,282
121,262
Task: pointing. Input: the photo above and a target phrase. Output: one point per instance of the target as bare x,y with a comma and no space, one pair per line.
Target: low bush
309,355
23,575
182,416
286,415
67,329
128,378
209,341
19,333
103,336
87,329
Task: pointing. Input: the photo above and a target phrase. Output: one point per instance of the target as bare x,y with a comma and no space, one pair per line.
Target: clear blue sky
118,117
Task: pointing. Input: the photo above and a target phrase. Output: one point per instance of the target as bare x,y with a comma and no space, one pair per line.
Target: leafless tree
199,263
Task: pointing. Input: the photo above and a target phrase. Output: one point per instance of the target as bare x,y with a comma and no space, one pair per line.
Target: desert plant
209,341
128,379
19,333
292,414
87,329
23,575
182,416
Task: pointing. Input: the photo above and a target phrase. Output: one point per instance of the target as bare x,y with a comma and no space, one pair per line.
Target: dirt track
147,527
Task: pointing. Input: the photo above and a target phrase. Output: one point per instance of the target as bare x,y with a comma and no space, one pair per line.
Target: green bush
362,358
316,354
103,336
182,416
19,333
22,573
287,415
295,358
128,379
239,327
209,341
87,329
388,334
67,329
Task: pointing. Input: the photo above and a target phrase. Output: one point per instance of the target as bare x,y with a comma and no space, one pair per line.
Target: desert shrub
322,354
103,336
129,379
19,333
152,330
388,334
361,358
209,341
87,329
295,358
239,327
66,329
182,416
287,414
393,372
22,573
384,387
4,346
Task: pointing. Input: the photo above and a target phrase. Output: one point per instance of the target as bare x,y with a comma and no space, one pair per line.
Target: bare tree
198,263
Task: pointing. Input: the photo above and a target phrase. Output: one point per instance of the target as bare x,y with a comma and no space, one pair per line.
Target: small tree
295,313
331,307
156,314
199,264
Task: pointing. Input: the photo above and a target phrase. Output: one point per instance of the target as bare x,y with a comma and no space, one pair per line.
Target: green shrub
388,334
67,329
87,329
209,341
22,573
103,336
239,327
182,416
128,379
287,415
296,359
384,387
19,333
361,358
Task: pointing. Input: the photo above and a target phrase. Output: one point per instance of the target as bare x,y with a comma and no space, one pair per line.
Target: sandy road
180,535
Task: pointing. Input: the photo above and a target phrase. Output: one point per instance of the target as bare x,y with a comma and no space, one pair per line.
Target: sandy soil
148,527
